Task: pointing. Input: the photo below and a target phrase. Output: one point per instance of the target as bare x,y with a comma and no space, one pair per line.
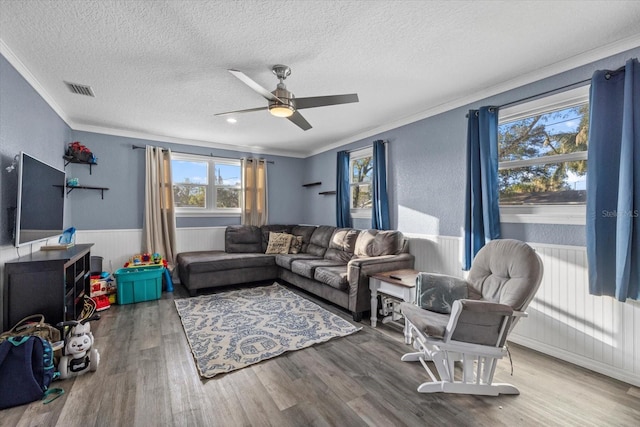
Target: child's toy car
78,355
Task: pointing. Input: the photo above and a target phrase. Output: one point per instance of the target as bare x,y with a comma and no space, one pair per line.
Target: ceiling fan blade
241,111
322,101
255,86
299,121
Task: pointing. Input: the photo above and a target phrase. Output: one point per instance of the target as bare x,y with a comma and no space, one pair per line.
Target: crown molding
525,79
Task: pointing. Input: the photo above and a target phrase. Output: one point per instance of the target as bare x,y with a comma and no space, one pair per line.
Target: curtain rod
139,147
365,147
538,95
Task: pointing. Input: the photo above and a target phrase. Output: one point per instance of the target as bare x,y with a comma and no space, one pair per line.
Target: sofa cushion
336,277
379,243
243,239
319,241
285,260
279,243
307,267
305,231
207,261
275,228
342,244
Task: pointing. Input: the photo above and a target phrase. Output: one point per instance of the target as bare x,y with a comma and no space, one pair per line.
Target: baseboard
601,368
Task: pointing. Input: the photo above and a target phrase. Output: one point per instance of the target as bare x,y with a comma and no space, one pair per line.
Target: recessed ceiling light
231,120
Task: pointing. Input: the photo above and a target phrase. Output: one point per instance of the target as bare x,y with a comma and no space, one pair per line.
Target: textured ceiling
158,68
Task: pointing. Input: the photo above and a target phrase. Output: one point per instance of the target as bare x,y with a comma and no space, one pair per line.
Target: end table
397,284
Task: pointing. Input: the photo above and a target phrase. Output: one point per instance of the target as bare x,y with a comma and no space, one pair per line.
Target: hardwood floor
147,377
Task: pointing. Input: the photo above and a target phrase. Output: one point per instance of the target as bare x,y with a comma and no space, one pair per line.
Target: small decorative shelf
70,188
311,184
69,159
326,193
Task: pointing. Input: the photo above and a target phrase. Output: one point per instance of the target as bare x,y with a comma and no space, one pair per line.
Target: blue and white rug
232,330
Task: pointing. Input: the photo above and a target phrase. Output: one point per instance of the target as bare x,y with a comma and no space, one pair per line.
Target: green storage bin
139,284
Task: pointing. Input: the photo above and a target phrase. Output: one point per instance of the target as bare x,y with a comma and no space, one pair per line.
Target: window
542,154
206,185
360,176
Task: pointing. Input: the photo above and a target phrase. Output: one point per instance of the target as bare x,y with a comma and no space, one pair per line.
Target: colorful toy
78,355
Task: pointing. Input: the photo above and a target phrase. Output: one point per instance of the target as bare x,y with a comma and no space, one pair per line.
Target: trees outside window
360,175
206,185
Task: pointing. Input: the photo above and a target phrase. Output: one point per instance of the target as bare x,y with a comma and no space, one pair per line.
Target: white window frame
355,155
210,210
544,214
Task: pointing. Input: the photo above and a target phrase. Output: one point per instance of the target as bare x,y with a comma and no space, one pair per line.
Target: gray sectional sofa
332,263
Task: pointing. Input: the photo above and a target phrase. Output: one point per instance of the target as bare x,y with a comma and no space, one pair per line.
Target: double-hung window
206,186
360,176
542,154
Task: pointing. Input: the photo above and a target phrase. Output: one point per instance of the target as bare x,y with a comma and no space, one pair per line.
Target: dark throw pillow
438,291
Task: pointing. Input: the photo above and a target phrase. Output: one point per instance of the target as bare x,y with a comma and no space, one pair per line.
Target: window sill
361,214
208,214
538,214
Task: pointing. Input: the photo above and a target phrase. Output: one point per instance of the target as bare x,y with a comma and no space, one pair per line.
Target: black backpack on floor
26,370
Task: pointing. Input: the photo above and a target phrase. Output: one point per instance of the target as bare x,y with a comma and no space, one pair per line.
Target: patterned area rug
235,329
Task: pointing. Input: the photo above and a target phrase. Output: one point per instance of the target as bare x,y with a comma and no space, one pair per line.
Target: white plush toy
78,357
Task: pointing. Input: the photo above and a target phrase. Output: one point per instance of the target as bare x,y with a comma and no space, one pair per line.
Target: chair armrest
479,322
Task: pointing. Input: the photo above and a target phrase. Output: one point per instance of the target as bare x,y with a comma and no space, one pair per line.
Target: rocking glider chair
468,321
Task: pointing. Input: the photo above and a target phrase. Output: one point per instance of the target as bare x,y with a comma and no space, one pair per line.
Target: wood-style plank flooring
147,377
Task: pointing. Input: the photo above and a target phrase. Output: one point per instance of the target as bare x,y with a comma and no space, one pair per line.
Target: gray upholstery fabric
243,239
342,244
272,228
285,260
307,268
504,277
429,322
377,243
305,231
480,322
506,271
336,277
320,239
437,292
202,261
329,279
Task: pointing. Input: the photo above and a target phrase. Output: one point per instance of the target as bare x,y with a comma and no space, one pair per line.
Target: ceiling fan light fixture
281,110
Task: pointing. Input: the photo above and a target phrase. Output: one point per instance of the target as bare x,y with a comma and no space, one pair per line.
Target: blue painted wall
27,123
426,169
121,169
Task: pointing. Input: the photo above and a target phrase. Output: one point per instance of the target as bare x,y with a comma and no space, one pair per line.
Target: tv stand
52,283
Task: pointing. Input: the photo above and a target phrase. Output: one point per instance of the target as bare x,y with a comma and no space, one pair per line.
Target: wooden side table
397,284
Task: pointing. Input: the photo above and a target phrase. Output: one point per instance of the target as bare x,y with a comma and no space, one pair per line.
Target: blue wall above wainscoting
426,169
29,124
122,170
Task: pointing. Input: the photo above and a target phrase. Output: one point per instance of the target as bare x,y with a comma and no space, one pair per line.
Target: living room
426,181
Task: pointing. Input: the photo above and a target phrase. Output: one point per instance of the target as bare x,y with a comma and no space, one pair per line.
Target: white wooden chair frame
478,361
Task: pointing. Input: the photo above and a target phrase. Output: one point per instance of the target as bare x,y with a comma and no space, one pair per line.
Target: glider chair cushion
503,280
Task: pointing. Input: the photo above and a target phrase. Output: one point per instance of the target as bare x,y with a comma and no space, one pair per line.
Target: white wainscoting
598,333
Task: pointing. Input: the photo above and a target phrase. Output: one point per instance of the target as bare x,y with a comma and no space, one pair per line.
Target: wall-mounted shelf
326,193
69,159
70,188
311,184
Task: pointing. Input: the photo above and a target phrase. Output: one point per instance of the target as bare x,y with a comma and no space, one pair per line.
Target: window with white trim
207,186
542,154
360,182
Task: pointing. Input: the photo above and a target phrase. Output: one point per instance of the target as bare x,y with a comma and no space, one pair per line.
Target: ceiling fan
283,103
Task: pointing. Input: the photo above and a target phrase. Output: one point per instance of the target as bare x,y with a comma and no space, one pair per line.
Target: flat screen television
40,204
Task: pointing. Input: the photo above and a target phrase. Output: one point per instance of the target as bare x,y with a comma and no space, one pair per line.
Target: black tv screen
40,208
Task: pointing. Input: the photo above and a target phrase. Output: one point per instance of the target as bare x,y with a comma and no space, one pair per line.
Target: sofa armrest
359,270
